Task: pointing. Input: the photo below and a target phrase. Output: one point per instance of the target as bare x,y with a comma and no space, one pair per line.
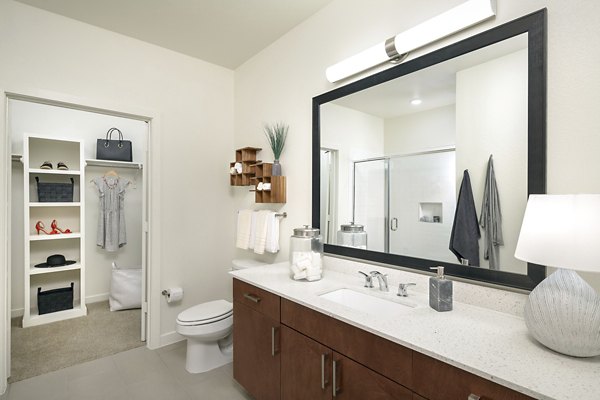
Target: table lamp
563,311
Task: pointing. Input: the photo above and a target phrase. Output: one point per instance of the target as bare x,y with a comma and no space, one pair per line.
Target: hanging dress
111,217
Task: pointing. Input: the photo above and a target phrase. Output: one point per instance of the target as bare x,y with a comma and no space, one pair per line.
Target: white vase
563,313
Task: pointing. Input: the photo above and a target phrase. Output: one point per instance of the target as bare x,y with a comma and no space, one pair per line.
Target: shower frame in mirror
535,25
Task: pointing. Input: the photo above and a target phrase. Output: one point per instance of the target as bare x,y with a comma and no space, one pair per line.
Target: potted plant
276,135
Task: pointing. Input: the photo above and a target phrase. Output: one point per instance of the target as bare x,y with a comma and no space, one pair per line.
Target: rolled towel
301,275
238,167
260,186
232,171
267,186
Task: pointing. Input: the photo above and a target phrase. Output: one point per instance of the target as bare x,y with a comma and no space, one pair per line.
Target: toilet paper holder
173,294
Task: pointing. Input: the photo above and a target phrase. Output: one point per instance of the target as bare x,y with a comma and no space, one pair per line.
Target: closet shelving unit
69,215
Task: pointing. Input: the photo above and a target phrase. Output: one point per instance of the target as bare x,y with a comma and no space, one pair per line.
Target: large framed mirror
392,154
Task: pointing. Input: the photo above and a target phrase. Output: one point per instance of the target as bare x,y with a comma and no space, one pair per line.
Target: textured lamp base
563,313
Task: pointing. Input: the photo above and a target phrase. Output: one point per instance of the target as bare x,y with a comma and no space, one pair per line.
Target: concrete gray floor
134,374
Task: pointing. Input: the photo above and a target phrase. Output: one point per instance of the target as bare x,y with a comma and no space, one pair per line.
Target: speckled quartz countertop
487,343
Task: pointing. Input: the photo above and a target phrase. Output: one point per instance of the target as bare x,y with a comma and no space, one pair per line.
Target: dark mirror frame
535,25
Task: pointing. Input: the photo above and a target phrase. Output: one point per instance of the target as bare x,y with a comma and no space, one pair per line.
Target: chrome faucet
368,279
403,289
382,279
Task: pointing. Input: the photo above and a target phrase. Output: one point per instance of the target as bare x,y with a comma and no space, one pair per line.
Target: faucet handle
403,289
368,279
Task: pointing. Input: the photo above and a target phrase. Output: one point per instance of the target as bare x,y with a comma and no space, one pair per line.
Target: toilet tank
245,263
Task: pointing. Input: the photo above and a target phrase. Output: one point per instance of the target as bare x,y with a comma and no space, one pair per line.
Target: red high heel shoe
39,226
55,227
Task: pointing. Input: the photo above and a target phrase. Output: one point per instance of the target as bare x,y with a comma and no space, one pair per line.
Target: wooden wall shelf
247,157
277,192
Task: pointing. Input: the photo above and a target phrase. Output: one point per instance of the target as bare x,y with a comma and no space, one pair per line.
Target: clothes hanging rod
114,164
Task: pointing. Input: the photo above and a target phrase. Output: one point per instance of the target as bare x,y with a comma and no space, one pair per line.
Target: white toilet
208,328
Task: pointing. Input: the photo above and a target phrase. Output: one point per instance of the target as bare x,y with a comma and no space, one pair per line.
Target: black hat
55,260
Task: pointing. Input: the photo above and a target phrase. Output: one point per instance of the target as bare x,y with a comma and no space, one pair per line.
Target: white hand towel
260,233
252,230
243,229
272,243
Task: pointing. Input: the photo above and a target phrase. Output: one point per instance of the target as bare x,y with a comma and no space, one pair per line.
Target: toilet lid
206,312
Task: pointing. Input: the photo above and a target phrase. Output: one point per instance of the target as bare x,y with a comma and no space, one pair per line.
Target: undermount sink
368,303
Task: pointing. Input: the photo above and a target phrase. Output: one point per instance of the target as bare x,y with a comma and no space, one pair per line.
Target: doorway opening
42,339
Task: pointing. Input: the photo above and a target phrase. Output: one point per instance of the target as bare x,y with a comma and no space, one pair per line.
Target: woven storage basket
55,299
55,192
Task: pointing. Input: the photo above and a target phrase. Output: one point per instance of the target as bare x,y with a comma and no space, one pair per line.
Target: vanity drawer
257,299
387,358
437,380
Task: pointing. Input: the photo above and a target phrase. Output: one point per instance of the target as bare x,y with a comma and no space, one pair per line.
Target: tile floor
134,374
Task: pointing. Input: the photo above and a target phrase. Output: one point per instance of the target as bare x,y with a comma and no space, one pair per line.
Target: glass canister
352,235
306,254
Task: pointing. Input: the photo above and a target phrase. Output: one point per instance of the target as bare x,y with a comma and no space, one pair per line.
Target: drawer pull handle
274,350
323,380
473,397
335,378
252,297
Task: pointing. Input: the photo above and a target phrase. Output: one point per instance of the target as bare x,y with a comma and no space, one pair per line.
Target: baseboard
96,298
18,312
170,338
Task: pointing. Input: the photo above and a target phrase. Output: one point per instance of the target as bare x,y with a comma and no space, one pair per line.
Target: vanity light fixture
563,311
396,48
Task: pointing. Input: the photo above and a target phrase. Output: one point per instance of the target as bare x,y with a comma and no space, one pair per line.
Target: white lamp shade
561,231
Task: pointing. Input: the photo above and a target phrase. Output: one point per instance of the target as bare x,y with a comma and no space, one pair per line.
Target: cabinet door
353,381
305,367
256,355
437,380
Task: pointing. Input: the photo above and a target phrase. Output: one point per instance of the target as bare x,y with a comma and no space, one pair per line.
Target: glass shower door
422,201
370,201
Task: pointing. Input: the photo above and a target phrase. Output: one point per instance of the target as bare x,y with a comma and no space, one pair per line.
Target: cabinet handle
392,227
274,350
473,397
252,297
336,389
323,380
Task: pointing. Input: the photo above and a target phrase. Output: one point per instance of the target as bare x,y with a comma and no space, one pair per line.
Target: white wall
296,72
53,55
491,118
65,123
421,131
356,136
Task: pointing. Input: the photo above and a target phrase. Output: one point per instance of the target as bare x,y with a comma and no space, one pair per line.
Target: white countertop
487,343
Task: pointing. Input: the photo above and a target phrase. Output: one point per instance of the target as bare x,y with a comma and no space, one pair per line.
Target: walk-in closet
78,236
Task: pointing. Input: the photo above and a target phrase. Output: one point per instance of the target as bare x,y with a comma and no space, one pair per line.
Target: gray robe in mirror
491,218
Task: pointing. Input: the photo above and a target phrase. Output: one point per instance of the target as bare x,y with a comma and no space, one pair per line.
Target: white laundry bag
125,288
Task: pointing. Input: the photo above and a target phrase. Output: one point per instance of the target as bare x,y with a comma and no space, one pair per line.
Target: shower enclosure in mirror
390,154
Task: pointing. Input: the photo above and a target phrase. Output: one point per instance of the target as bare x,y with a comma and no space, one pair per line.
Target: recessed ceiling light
416,102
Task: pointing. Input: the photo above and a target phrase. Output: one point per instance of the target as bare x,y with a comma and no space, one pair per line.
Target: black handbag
115,150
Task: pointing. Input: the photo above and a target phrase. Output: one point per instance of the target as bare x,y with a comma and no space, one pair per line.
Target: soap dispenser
440,291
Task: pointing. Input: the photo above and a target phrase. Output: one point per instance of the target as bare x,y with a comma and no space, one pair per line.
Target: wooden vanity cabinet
283,350
310,370
256,330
